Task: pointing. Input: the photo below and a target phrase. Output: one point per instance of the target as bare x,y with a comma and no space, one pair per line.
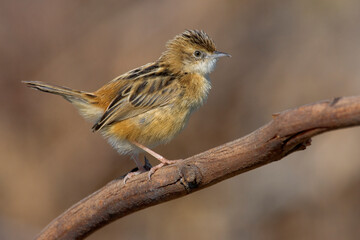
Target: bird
151,104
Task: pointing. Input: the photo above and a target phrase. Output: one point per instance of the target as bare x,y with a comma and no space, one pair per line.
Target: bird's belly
151,128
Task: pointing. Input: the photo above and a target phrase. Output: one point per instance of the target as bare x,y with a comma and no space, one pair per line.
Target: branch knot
190,176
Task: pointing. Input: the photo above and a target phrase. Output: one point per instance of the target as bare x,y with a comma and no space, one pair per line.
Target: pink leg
138,162
163,160
139,165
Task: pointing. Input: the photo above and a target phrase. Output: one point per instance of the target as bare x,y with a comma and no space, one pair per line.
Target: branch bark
289,131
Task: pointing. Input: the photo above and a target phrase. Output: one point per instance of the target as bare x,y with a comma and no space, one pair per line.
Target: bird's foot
163,160
137,171
163,163
132,174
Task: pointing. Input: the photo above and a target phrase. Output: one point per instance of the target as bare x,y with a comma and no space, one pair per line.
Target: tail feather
67,93
85,102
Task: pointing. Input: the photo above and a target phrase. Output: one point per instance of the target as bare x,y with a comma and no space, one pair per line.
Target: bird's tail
85,102
67,93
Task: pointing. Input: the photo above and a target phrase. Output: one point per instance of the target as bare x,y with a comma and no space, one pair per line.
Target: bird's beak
217,54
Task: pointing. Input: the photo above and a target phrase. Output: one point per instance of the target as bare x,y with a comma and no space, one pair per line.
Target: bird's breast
196,89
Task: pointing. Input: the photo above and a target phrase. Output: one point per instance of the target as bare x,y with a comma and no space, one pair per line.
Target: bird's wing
139,95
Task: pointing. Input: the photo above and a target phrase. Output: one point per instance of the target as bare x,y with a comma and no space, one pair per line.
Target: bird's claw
164,162
147,166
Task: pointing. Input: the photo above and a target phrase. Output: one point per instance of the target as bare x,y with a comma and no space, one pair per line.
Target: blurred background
286,53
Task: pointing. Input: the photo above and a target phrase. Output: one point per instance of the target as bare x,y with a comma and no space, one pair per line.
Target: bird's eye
197,54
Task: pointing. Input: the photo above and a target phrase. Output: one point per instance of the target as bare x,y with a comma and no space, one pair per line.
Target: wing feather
151,90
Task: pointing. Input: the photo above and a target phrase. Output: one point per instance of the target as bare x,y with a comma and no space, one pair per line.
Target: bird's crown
192,38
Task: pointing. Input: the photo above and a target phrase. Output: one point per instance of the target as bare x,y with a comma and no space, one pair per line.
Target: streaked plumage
149,105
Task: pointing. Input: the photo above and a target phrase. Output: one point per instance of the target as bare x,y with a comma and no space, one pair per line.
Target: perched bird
149,105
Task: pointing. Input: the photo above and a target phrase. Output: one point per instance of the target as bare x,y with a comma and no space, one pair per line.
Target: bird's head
192,51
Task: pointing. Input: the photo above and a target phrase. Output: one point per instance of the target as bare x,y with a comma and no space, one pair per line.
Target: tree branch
289,131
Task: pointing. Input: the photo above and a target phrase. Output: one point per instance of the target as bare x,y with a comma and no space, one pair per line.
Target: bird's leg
139,165
154,154
163,160
138,162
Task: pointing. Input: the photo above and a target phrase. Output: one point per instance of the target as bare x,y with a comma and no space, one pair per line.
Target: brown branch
289,131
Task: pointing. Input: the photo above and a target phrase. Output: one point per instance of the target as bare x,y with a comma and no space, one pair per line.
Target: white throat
206,66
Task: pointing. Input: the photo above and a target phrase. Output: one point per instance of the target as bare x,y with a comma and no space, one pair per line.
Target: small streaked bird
149,105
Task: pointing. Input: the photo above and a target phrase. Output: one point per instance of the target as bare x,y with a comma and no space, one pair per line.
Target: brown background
285,53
